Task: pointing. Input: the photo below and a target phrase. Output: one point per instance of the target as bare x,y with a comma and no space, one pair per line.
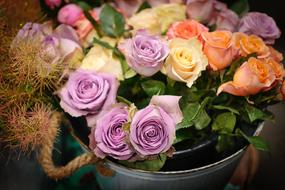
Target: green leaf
241,7
195,114
224,142
127,71
153,87
183,134
224,123
112,21
220,107
103,43
123,100
254,114
202,120
149,165
258,142
189,114
84,6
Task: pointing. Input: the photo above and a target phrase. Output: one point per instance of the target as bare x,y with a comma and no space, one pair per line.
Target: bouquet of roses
147,76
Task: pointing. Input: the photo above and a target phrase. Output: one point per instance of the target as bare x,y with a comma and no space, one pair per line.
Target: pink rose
52,4
186,29
69,14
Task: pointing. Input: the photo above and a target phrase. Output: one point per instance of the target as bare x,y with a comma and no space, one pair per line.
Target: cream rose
186,60
101,59
151,19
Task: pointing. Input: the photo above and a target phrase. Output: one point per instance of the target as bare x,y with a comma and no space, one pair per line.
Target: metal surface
214,177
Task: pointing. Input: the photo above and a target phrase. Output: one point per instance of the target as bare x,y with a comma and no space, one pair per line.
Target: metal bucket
213,177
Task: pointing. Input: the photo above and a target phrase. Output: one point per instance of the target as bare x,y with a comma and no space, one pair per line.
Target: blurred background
18,172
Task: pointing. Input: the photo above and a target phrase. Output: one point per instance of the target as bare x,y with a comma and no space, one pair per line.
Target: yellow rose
169,13
146,19
157,20
186,60
101,59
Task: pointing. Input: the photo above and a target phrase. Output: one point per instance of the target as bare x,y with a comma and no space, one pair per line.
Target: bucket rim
112,164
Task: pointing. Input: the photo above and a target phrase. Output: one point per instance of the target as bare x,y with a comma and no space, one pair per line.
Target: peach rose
84,28
186,29
252,77
275,55
218,49
250,44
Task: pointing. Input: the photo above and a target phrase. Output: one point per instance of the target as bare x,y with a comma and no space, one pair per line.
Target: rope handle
45,154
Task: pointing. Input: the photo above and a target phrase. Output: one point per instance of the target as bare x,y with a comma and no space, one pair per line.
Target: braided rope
45,154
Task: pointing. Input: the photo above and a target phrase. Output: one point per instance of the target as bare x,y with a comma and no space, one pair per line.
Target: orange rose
186,29
277,68
218,49
252,77
250,44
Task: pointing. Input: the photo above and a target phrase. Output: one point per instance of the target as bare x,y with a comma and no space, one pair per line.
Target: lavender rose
88,92
54,47
223,17
108,137
152,131
145,53
260,24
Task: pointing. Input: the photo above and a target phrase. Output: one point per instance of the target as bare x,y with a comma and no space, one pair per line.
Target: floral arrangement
145,75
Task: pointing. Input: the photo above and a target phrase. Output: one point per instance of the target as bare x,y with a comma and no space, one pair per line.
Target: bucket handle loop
45,154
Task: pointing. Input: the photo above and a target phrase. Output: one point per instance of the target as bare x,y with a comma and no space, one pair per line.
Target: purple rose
108,137
87,92
200,10
145,53
260,24
152,131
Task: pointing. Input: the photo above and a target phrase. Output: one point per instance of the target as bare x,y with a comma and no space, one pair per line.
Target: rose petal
170,104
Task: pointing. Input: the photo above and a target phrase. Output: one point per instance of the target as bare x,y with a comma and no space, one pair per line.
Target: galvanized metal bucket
213,177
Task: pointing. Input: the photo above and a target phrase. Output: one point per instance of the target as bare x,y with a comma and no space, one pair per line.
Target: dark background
25,173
